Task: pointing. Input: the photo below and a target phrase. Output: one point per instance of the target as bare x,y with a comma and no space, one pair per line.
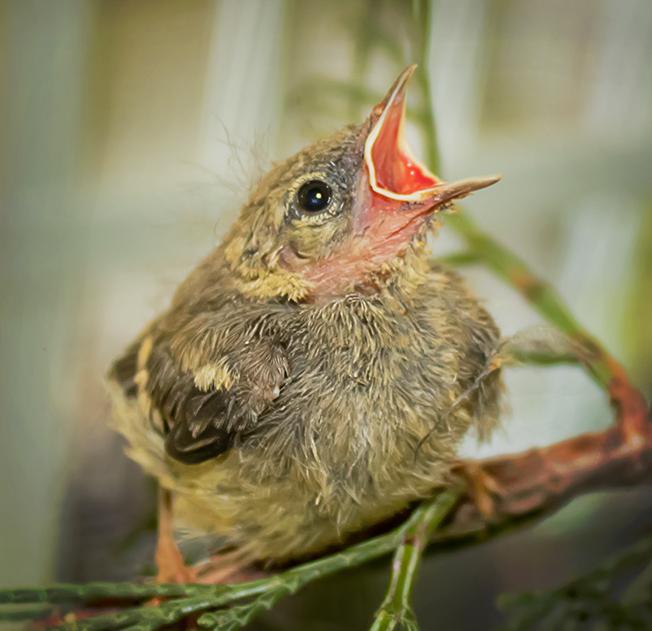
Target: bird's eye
314,196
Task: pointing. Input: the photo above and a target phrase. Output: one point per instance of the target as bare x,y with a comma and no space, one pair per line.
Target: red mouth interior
396,171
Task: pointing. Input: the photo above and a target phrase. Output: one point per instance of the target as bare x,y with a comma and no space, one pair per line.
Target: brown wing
199,420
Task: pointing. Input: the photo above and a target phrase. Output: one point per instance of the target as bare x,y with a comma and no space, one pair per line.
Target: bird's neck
363,273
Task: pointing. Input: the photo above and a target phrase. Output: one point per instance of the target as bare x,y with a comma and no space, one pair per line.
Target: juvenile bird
315,373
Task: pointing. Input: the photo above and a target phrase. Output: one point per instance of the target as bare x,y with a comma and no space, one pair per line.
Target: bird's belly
308,485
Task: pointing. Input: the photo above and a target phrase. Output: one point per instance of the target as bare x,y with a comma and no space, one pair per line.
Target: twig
422,16
98,591
194,598
239,616
29,613
602,366
396,607
539,481
460,259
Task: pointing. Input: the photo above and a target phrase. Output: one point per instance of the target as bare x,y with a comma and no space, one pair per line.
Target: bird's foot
171,566
481,486
225,567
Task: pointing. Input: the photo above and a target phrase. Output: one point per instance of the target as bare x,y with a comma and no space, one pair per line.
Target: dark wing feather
189,447
199,425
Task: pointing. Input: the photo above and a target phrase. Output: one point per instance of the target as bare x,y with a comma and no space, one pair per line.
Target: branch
197,598
396,608
539,481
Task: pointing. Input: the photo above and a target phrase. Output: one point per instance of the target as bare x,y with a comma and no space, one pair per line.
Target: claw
482,487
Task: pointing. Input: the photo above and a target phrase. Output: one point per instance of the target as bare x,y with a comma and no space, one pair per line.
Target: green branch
396,608
194,598
239,616
92,592
422,23
460,259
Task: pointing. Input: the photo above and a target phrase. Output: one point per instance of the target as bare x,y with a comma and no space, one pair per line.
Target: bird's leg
219,568
481,486
169,560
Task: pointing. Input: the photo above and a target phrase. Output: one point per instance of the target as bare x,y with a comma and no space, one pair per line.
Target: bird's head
349,213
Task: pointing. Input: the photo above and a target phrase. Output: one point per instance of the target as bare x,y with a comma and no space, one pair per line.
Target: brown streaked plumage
315,373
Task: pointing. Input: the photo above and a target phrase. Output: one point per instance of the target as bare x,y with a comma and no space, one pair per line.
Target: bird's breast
366,385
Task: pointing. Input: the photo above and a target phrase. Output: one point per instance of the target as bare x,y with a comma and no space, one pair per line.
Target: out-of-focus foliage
616,595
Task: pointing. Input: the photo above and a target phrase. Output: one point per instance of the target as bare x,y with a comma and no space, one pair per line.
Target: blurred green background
130,132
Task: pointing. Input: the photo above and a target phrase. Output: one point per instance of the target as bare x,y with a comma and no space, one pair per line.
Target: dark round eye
314,196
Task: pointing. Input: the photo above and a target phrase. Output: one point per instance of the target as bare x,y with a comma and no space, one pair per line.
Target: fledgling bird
315,373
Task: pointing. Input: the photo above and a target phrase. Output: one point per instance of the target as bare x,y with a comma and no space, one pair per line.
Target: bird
315,374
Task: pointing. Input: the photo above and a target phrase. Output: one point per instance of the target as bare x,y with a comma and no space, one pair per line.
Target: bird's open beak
393,172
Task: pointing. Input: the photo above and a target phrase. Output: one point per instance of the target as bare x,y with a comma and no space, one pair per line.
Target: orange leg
169,560
220,568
